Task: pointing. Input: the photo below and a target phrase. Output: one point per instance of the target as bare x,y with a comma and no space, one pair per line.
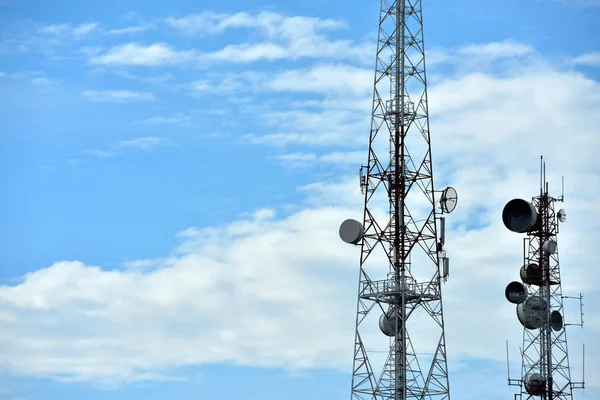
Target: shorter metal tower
545,370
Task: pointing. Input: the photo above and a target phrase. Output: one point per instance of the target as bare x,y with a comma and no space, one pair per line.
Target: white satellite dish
562,215
549,246
449,199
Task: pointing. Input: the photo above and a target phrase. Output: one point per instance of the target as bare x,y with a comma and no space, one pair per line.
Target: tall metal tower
545,369
405,247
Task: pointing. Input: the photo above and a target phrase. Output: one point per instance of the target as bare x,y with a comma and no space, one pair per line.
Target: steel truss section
399,170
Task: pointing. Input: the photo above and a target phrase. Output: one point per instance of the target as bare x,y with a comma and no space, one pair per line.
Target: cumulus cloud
237,292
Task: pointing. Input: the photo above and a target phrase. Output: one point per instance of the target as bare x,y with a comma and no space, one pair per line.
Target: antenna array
538,297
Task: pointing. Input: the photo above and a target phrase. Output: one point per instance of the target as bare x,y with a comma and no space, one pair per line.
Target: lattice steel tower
402,234
545,369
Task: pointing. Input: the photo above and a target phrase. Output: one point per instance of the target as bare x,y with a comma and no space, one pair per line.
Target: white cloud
100,153
43,81
129,30
324,79
271,23
144,143
297,159
139,55
54,29
507,48
285,38
83,29
487,134
117,96
177,119
592,58
302,160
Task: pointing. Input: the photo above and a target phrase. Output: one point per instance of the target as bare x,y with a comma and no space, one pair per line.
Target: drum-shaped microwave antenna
515,292
534,384
533,312
520,216
351,231
531,274
388,322
449,199
549,247
562,215
556,320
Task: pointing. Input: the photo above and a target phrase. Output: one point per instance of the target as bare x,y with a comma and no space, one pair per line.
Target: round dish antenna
449,199
351,231
531,274
390,322
562,215
515,292
556,320
520,216
549,247
533,312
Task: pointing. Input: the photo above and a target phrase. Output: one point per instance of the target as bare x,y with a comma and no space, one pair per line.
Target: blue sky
174,177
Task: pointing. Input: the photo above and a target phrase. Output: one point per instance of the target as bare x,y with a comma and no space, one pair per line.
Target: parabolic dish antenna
556,320
562,215
351,231
449,199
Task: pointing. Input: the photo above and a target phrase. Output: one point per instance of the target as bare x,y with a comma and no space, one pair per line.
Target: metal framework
545,369
399,174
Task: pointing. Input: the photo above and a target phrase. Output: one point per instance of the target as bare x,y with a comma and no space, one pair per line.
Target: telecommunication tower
405,246
545,369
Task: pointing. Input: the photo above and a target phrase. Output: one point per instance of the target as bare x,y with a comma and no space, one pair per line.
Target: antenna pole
539,300
400,175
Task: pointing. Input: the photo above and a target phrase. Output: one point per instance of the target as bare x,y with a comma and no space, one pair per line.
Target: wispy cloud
303,160
129,30
591,59
496,50
43,81
283,38
174,120
53,29
37,78
117,96
83,29
143,143
78,32
100,153
138,55
272,24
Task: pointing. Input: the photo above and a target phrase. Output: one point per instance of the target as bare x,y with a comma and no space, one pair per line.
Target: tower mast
406,242
545,372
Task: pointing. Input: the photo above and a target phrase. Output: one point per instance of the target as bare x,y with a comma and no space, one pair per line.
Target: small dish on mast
449,199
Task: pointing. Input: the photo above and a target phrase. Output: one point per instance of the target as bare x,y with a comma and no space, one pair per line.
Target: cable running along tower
545,372
401,247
